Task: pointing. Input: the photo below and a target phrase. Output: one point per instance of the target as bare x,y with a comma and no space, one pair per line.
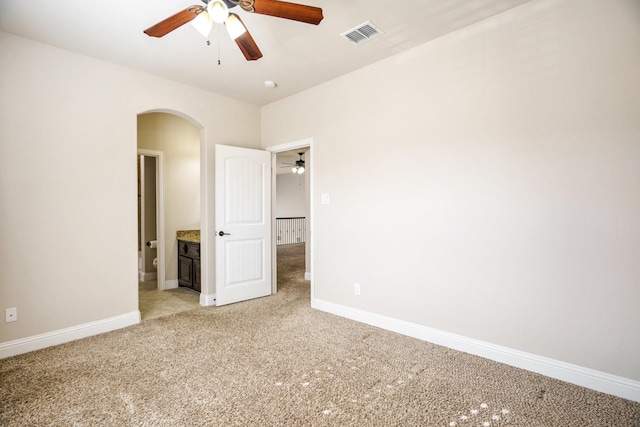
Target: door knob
222,233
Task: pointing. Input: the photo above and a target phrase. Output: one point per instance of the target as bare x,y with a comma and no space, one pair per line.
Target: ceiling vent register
362,33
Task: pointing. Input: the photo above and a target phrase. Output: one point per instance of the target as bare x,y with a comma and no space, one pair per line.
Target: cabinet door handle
222,233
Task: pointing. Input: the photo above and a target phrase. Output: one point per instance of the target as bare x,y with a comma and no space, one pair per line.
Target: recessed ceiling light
270,84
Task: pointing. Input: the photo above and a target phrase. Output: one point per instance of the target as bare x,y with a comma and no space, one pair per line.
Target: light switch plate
324,199
11,314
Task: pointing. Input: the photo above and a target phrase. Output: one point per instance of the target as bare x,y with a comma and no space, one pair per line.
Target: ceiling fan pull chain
219,42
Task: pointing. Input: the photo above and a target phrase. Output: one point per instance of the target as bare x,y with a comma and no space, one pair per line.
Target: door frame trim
159,212
275,149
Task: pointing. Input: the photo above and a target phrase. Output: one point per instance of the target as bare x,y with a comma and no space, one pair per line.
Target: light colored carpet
276,362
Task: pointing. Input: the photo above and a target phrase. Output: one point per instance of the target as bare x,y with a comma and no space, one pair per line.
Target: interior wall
179,141
68,245
497,192
290,195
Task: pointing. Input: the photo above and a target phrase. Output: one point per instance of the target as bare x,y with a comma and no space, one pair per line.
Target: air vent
362,33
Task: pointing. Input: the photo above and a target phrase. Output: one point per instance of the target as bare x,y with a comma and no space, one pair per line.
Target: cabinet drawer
189,249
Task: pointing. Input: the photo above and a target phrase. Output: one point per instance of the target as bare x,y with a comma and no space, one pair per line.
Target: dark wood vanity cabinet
189,264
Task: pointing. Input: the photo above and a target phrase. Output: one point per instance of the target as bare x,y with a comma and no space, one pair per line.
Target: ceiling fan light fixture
299,167
234,26
218,11
203,23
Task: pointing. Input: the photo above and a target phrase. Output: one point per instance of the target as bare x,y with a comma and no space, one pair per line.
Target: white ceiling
297,56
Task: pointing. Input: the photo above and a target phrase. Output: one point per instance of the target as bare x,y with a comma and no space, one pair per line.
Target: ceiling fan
217,11
297,167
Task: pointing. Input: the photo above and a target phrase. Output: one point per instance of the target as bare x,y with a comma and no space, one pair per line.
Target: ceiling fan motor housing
230,3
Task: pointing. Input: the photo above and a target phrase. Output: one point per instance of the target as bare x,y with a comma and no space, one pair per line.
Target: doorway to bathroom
151,218
169,151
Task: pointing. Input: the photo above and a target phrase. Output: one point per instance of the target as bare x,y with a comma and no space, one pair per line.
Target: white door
243,224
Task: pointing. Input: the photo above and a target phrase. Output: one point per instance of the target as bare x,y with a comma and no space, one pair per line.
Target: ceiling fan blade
286,10
171,23
247,44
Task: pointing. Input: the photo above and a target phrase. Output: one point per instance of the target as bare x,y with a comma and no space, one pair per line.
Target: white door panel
243,208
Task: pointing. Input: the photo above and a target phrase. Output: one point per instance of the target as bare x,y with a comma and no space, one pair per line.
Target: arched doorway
171,145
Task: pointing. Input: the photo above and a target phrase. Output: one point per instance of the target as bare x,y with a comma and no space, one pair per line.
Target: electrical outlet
11,314
356,288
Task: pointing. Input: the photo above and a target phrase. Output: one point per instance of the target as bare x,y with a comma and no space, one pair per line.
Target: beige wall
497,192
68,250
290,195
179,141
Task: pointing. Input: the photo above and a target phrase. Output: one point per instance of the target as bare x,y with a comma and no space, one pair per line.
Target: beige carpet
276,362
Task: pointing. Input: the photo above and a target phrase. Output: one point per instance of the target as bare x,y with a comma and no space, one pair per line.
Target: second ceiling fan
217,11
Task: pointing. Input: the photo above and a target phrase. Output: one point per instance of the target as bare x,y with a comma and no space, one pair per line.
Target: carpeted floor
276,362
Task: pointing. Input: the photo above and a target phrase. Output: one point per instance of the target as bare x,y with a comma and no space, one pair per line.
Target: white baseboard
171,284
207,300
307,275
36,342
148,276
584,377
